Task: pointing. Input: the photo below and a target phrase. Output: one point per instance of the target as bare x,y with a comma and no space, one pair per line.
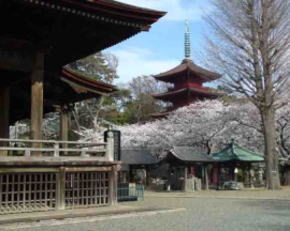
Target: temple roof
188,68
80,83
188,154
234,152
70,29
104,9
184,91
63,31
138,157
59,89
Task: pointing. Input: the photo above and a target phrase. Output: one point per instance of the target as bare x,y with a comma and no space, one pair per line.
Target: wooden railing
25,147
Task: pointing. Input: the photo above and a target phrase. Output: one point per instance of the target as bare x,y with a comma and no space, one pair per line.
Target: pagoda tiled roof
188,67
199,91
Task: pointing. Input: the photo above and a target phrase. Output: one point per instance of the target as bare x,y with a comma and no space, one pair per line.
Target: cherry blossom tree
206,125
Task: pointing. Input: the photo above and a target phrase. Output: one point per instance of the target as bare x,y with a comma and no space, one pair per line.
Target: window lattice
84,189
27,192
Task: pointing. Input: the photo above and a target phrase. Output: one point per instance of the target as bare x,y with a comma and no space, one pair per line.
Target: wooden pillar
185,179
169,178
219,177
246,176
60,190
205,167
113,186
215,174
193,170
37,100
4,116
148,177
251,176
64,126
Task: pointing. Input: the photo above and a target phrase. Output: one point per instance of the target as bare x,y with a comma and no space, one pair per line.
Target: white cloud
135,62
177,11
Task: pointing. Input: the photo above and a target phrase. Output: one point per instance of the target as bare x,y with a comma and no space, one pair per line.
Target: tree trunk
271,155
287,176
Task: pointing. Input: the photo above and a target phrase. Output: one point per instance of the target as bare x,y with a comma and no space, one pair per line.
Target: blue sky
161,48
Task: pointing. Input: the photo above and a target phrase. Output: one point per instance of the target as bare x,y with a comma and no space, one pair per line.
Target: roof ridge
248,150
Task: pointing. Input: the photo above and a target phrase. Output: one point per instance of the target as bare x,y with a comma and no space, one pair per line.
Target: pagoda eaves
171,95
188,69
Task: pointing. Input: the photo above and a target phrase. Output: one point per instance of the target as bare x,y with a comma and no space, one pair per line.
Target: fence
44,191
85,189
128,192
27,192
25,147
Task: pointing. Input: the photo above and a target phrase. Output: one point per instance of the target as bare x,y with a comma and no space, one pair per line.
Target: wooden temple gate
42,37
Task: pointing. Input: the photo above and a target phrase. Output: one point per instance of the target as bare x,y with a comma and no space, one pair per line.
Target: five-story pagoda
187,81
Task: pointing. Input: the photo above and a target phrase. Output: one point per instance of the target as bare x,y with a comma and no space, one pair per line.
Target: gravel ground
201,214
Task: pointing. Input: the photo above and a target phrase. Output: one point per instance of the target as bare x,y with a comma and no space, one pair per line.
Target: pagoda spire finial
187,40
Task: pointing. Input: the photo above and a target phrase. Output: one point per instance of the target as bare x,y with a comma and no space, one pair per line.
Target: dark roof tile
190,154
138,157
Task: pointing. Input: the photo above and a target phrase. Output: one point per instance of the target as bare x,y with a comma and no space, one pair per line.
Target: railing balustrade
61,174
55,148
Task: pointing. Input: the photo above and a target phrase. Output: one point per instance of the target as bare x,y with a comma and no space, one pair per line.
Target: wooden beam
37,100
28,169
4,116
15,59
88,169
64,126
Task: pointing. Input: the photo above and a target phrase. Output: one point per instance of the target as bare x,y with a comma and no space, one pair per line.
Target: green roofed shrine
233,160
235,153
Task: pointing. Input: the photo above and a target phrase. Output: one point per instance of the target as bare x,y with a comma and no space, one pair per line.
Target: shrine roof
234,152
190,154
138,157
187,67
